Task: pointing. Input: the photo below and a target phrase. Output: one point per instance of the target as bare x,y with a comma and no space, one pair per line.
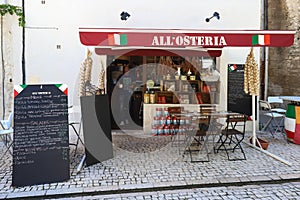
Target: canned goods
174,120
154,129
156,121
169,120
182,120
158,112
167,130
162,120
166,112
160,130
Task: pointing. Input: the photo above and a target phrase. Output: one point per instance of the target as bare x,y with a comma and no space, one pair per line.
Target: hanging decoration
85,74
251,75
101,80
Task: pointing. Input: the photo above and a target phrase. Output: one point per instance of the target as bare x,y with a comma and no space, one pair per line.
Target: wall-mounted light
124,15
216,15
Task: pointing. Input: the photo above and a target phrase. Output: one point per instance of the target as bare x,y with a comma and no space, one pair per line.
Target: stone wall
284,62
7,69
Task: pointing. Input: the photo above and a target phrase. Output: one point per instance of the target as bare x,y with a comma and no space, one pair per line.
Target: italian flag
117,39
63,88
232,68
292,123
261,39
18,89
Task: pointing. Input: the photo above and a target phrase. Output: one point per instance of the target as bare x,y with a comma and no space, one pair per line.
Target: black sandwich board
41,134
238,100
96,128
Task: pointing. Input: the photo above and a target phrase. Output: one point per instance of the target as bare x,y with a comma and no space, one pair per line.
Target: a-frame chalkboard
41,134
237,99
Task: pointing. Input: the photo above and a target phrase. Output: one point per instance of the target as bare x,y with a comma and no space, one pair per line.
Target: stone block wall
284,62
7,67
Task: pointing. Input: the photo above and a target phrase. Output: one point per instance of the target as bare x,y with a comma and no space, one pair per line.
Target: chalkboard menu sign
238,100
41,134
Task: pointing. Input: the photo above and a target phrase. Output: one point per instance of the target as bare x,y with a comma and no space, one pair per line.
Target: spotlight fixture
124,15
216,15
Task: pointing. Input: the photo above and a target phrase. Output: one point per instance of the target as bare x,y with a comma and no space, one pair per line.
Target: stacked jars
165,124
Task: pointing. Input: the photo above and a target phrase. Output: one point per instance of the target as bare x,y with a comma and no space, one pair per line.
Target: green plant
10,9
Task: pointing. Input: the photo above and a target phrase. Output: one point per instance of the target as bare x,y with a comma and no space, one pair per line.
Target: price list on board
41,138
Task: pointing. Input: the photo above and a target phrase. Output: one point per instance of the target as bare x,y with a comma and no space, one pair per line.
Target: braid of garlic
89,64
251,75
85,73
101,79
82,79
246,77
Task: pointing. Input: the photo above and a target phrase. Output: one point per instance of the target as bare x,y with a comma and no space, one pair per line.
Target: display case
187,91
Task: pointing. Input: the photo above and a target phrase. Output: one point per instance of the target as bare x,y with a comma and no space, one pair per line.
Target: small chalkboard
238,100
41,134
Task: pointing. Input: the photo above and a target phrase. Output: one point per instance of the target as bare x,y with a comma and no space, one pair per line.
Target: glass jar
152,97
146,97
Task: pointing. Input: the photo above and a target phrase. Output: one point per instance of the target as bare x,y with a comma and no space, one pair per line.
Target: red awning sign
184,38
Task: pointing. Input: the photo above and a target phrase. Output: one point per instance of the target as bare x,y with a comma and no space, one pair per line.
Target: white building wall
57,21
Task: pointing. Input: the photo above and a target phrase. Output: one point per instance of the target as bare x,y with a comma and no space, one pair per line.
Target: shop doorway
124,88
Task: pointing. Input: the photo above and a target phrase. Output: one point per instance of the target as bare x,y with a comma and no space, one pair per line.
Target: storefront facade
182,64
59,56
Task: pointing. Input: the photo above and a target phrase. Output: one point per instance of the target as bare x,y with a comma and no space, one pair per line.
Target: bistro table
204,125
292,118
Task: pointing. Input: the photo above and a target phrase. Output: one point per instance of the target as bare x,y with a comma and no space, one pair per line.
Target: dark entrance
124,88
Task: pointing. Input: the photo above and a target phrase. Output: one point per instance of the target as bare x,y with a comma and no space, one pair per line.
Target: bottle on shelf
146,97
152,97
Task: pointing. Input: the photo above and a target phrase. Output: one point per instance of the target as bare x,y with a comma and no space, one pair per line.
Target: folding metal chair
6,133
272,121
196,139
75,122
232,136
276,104
175,136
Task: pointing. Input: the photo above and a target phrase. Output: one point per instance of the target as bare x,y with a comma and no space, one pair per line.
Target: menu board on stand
41,134
238,100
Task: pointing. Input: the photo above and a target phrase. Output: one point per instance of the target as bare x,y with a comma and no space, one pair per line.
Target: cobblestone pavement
264,192
151,164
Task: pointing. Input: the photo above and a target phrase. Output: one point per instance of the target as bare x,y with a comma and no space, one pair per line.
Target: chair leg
7,150
78,136
203,146
238,146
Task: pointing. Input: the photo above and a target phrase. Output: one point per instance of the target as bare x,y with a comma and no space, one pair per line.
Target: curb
116,190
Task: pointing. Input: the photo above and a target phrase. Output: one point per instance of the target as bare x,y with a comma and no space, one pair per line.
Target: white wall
57,22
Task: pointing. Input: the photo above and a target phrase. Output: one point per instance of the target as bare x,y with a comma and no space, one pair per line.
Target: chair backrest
275,99
264,105
175,110
7,124
234,121
208,109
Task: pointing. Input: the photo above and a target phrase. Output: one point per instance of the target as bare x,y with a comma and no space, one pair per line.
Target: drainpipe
265,49
23,48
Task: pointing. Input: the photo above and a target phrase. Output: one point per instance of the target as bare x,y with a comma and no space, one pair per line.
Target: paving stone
134,171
